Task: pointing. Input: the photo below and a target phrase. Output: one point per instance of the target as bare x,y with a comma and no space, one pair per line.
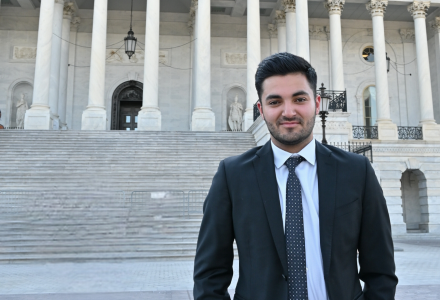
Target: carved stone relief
234,59
24,53
115,56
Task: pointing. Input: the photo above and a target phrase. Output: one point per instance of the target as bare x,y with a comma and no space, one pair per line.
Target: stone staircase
68,195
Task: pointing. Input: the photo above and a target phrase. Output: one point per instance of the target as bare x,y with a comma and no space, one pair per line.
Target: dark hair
283,64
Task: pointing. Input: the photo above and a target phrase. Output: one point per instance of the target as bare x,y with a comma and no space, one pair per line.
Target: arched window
370,111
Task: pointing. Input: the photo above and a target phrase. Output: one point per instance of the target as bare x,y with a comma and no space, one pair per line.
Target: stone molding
280,17
273,31
69,11
75,23
407,35
418,9
405,149
435,24
195,4
334,6
289,6
60,1
377,8
317,32
192,20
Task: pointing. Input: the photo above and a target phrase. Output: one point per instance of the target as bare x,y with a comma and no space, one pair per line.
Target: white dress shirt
307,175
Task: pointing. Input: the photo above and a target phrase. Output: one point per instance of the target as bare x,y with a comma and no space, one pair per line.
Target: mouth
292,124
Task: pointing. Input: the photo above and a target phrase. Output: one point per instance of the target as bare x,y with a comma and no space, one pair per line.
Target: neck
292,148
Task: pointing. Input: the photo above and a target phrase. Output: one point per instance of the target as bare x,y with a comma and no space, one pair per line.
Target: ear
318,103
260,108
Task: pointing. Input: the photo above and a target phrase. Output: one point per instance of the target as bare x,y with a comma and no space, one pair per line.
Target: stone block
203,119
431,132
38,118
94,119
398,229
387,131
149,119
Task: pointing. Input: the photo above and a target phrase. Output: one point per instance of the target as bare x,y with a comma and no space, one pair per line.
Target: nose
289,110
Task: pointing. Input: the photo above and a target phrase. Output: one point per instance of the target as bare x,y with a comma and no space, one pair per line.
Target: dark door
128,117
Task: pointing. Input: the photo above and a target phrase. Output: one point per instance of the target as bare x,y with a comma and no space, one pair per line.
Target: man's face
289,108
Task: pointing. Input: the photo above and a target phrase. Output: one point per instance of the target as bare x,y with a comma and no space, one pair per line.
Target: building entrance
126,104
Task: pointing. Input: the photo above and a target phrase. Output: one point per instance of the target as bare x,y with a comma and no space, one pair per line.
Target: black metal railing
337,100
256,111
365,132
410,133
365,149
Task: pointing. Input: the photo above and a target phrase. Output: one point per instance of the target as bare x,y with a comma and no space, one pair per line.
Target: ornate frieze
436,24
334,6
118,56
418,9
233,59
407,35
280,17
289,5
24,53
377,7
69,10
273,31
318,32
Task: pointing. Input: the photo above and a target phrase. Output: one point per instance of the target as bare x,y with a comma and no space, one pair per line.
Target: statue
236,115
22,107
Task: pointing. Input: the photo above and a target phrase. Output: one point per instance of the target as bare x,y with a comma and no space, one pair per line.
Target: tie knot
293,162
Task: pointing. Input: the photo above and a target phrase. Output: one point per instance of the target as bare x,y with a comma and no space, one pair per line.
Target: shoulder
345,157
241,160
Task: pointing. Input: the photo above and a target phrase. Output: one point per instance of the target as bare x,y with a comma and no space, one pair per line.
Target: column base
56,122
248,119
203,119
38,118
63,126
94,119
431,132
150,119
387,131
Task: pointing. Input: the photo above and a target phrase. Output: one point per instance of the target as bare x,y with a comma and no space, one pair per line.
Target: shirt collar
308,152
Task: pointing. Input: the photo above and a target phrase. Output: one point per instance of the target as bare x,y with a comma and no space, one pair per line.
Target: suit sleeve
376,249
214,257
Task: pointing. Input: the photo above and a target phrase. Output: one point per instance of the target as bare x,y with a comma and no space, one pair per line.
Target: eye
301,99
274,102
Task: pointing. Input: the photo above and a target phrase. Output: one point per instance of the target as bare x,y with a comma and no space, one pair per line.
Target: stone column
436,26
431,130
71,70
253,59
273,34
203,118
55,62
302,30
193,33
335,8
387,129
95,116
281,28
290,10
150,118
69,11
39,116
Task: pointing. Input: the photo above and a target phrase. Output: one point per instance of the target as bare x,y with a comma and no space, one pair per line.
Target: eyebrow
299,93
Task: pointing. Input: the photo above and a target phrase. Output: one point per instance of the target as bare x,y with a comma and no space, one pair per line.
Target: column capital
195,4
273,31
334,6
418,9
192,20
280,18
69,11
60,1
289,5
75,23
407,35
435,24
318,32
377,7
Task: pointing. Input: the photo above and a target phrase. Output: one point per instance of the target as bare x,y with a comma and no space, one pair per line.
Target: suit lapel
327,174
265,171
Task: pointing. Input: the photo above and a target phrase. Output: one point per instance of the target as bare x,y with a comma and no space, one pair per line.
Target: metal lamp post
130,40
324,111
388,62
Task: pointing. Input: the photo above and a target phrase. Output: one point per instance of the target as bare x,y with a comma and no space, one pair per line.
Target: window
370,111
368,53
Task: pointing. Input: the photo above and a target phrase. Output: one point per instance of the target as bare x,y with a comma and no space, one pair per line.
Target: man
298,211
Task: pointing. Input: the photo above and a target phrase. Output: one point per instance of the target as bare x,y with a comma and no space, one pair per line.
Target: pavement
417,266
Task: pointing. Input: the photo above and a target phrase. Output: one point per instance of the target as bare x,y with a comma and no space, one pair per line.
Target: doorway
126,104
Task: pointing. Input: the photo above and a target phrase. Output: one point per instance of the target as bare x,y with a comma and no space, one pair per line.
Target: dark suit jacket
243,204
